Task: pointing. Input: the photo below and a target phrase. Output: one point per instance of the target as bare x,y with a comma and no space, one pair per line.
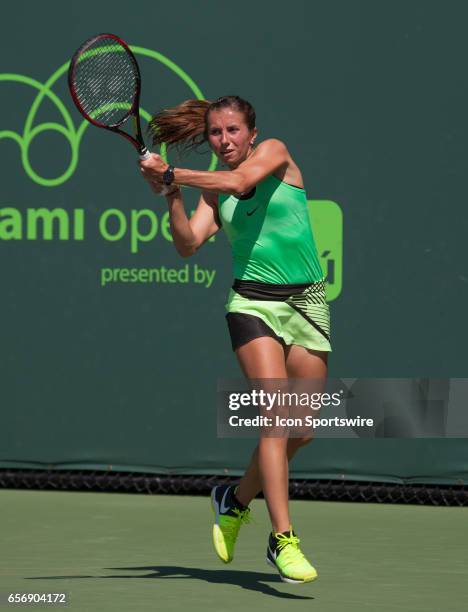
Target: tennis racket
105,84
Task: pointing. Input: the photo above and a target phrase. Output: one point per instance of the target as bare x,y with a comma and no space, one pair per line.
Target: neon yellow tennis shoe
228,520
284,554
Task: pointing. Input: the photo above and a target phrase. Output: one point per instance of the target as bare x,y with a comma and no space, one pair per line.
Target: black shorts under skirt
244,327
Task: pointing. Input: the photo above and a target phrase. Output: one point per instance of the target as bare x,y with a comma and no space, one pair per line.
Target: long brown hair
186,125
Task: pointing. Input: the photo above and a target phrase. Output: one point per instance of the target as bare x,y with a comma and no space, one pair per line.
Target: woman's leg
264,358
251,483
300,363
306,363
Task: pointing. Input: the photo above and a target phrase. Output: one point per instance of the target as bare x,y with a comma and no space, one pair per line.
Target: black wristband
168,176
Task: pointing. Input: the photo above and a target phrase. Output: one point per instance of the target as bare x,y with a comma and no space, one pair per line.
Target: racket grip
146,155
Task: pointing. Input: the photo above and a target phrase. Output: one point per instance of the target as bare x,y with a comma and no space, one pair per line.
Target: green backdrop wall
370,98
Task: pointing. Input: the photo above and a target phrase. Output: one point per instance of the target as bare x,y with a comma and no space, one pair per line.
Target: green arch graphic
67,129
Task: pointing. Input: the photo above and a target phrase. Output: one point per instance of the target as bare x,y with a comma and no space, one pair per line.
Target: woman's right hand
158,187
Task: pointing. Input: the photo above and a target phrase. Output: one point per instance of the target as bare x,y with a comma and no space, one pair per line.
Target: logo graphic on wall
64,225
67,128
327,223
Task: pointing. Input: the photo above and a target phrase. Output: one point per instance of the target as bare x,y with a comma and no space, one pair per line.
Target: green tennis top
270,234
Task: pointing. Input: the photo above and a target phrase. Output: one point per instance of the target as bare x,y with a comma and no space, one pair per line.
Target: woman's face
229,136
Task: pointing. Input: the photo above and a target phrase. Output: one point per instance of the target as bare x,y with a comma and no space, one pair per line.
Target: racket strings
106,81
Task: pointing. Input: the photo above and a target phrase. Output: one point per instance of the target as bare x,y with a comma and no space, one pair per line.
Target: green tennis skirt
292,314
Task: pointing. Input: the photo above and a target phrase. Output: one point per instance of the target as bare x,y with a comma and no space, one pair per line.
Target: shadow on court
251,581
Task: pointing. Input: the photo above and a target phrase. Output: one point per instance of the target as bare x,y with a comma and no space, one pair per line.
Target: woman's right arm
189,234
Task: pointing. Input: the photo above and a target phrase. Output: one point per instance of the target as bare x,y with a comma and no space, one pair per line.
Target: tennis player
276,313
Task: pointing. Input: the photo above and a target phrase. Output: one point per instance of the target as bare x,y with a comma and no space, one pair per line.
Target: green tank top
270,234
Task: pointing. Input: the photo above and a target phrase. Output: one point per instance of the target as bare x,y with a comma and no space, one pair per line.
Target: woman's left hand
153,167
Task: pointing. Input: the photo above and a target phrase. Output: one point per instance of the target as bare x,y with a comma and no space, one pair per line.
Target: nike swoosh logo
273,554
223,509
251,212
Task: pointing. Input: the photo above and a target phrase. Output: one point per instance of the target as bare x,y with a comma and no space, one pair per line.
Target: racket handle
145,154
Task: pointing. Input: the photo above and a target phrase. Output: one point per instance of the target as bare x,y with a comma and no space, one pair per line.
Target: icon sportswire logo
67,128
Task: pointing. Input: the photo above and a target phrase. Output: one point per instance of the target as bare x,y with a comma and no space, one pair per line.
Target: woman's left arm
266,159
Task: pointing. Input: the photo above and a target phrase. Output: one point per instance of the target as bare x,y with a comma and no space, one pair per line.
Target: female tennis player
276,313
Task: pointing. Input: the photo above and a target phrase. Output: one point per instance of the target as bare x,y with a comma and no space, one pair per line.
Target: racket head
105,85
